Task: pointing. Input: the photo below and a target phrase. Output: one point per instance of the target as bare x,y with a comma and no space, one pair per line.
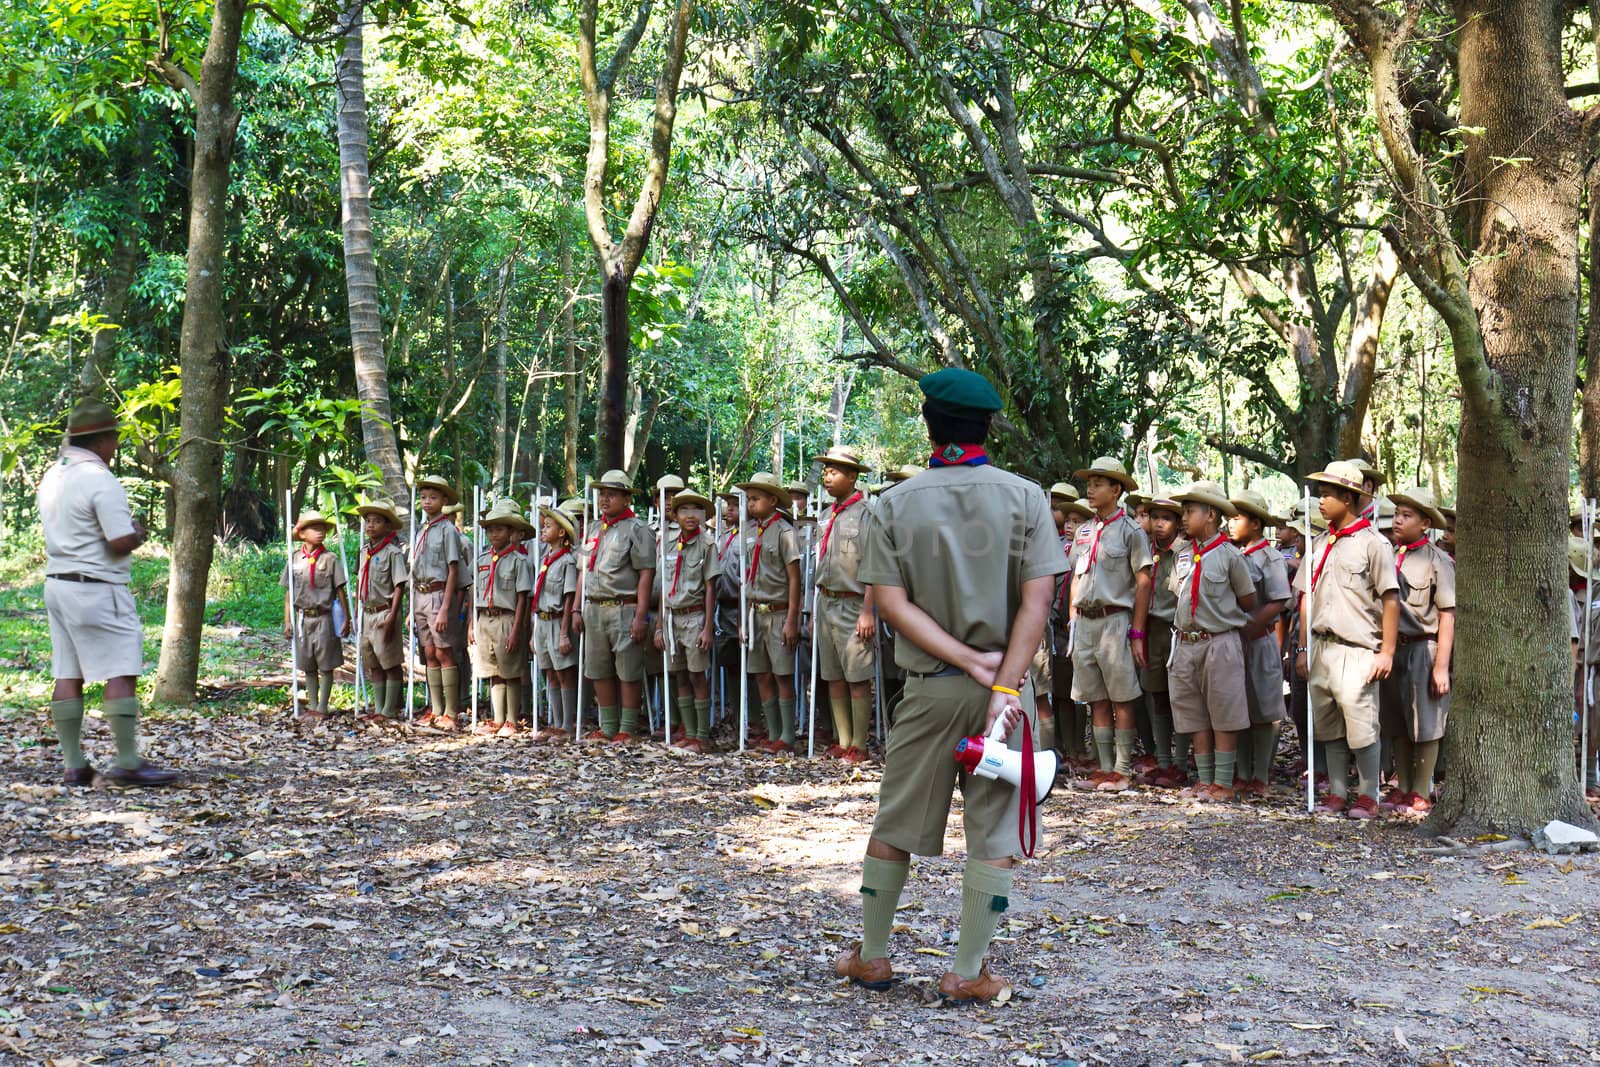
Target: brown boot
958,990
876,975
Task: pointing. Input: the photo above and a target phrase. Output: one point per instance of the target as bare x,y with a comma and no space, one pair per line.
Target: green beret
962,389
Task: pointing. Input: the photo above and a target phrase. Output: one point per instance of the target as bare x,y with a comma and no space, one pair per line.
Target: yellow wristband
1003,689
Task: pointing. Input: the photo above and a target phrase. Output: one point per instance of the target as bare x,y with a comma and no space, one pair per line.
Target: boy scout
554,642
436,580
689,599
846,620
500,600
726,628
772,571
614,581
963,562
1215,599
1447,535
461,611
313,579
380,584
1585,640
1414,701
1166,540
1069,715
89,534
1262,656
1110,606
1349,622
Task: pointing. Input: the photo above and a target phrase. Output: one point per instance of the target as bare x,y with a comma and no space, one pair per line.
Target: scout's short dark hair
1349,496
953,426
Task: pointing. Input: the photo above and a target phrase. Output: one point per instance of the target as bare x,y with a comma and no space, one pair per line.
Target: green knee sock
436,690
68,717
786,721
450,682
378,691
881,883
609,719
1161,726
769,709
569,709
1181,744
860,722
1145,725
1102,747
702,719
842,722
1205,764
122,715
1338,767
514,700
497,701
1222,765
1244,759
630,721
1404,757
1426,756
324,690
1367,770
1263,746
1125,740
985,894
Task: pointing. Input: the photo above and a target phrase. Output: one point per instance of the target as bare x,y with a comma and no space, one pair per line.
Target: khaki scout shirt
614,556
512,572
1106,579
560,580
1348,600
769,575
839,566
380,572
1268,573
1224,578
1163,595
728,548
961,541
690,568
314,580
464,549
82,505
438,545
1427,587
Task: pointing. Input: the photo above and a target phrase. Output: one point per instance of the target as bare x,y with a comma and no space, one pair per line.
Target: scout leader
614,580
1262,656
963,561
555,640
1166,540
1414,701
1110,608
500,602
684,627
1349,623
437,578
313,579
772,571
1215,599
846,620
380,584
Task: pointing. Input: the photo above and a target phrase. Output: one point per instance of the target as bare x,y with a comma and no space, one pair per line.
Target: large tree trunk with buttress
613,416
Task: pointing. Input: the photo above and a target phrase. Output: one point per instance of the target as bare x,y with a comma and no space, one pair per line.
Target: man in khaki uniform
500,595
555,646
1110,606
1349,622
379,587
963,560
846,620
772,572
89,534
615,573
313,581
436,583
684,629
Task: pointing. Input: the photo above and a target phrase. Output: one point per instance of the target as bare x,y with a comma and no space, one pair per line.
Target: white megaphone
990,757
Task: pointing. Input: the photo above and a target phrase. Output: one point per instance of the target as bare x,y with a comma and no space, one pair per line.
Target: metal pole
294,611
716,609
344,564
666,627
744,625
472,597
1588,609
411,637
535,675
583,596
877,679
1311,718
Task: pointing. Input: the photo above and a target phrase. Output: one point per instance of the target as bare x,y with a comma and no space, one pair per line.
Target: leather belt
495,613
86,579
769,608
1405,639
431,587
1101,613
832,595
1329,635
1193,636
613,602
381,605
313,613
948,672
549,616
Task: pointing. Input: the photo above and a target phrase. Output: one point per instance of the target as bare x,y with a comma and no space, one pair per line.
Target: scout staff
1110,608
689,599
554,642
772,572
1414,701
963,563
313,580
846,620
1263,657
614,590
1215,599
436,575
1166,541
89,534
1349,622
380,584
500,599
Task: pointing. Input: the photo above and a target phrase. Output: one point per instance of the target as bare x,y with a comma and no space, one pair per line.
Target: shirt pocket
1356,578
1419,597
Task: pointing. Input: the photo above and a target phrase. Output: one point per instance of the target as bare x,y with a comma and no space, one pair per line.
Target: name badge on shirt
1082,566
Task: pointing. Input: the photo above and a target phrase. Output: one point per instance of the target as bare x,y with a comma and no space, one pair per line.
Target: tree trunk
360,264
202,356
1589,432
501,475
97,370
611,429
572,380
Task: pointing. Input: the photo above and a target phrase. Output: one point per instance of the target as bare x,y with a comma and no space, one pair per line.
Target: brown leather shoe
311,715
447,723
958,990
83,776
146,774
876,975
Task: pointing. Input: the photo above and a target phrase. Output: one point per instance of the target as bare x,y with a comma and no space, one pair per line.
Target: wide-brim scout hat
1421,499
312,518
1209,494
1253,503
573,506
1078,508
767,483
615,479
380,506
91,417
1162,502
688,498
669,483
1063,491
433,481
561,519
960,392
1578,557
1448,511
506,513
1107,467
1368,471
1385,515
842,456
900,474
798,489
1297,519
1341,474
1136,500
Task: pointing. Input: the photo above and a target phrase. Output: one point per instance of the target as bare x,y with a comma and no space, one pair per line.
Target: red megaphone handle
1028,814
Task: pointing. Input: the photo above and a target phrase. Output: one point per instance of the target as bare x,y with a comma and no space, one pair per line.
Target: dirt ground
378,898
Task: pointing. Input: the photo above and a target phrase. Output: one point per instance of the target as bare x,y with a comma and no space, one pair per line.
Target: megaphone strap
1028,813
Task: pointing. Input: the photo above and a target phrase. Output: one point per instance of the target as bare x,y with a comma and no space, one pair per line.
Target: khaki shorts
547,644
489,647
841,656
1406,704
317,646
1206,685
424,606
684,650
94,631
1158,644
768,654
371,647
609,650
1343,703
920,773
1263,662
1102,660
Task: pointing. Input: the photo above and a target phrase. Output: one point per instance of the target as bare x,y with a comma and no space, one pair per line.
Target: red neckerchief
954,455
605,524
838,506
494,562
366,562
313,554
544,572
1194,579
422,541
1257,547
755,557
1577,585
1400,553
677,564
1333,536
1066,581
1099,524
723,551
